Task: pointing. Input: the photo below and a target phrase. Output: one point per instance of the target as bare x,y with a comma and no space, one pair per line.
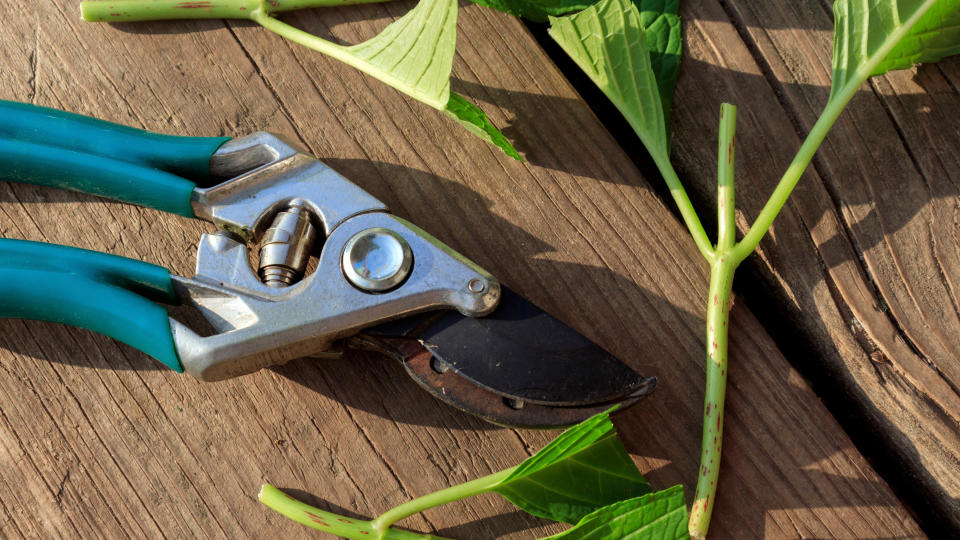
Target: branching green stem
437,498
379,527
718,315
356,529
730,254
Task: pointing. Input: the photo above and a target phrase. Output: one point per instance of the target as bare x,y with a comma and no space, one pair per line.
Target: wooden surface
95,441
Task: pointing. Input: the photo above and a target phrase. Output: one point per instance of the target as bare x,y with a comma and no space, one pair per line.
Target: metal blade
517,366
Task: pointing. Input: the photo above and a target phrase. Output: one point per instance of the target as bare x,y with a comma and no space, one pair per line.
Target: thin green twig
437,498
355,529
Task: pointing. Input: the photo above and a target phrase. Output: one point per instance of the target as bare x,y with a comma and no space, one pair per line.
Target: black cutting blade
523,367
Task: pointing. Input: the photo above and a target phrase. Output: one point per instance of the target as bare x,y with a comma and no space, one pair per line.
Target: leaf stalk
680,198
437,498
356,529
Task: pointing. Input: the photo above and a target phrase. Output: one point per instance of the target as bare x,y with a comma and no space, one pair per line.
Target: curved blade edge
466,396
521,353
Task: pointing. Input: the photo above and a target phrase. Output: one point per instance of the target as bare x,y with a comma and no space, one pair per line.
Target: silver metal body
258,324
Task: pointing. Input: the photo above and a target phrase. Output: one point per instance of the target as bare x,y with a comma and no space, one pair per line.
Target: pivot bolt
476,286
376,260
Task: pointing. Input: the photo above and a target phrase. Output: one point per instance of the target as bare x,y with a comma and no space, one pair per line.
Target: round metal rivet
476,286
376,260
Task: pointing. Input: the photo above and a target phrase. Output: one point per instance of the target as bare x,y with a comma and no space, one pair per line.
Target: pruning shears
380,283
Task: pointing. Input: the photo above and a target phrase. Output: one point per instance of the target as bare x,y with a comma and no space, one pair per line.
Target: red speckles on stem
715,346
708,409
344,520
194,5
705,471
316,519
715,300
730,153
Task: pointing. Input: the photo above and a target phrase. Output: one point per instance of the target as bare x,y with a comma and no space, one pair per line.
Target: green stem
718,315
718,318
310,516
726,226
687,212
152,10
277,6
437,498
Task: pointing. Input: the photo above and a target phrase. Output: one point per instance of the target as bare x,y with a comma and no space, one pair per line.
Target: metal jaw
260,324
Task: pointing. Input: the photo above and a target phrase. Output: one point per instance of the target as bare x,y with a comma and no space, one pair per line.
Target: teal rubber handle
184,156
105,293
44,165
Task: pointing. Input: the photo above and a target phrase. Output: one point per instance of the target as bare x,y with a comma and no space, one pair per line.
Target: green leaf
935,36
650,10
414,54
536,10
872,37
658,18
609,44
471,117
583,469
655,516
661,24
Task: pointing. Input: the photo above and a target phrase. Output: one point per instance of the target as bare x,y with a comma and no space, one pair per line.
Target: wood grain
95,441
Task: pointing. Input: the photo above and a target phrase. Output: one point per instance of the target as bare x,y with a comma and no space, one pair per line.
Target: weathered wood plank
97,443
864,260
